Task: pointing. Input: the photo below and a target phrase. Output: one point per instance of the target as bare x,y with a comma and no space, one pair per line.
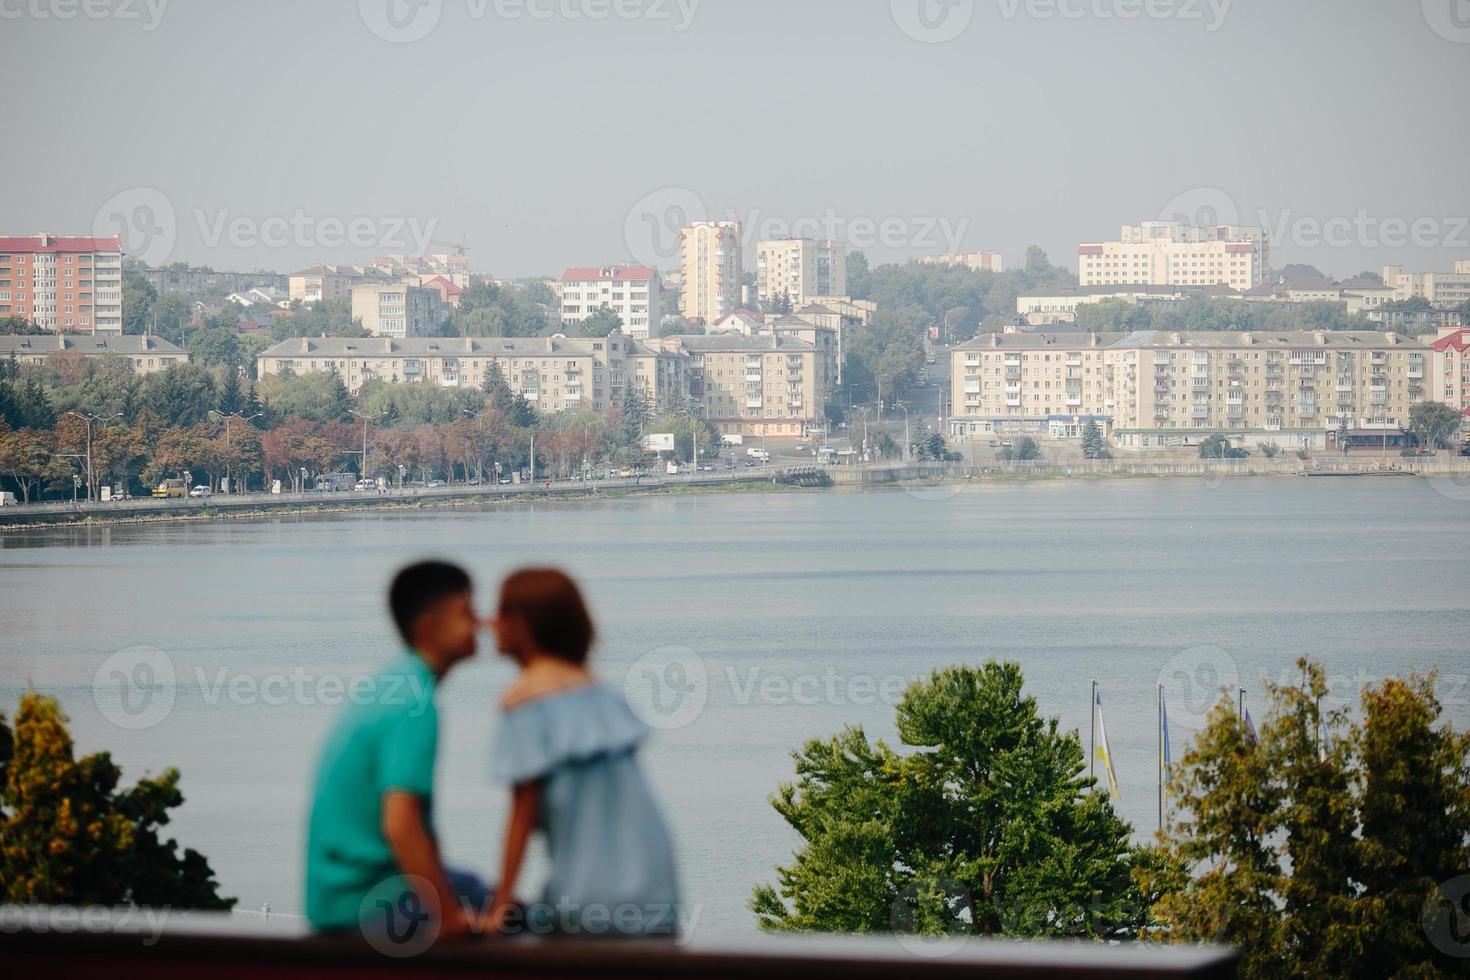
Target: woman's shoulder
574,724
544,681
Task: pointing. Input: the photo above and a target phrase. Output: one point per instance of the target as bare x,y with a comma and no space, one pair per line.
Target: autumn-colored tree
29,458
429,451
69,836
1319,848
296,445
1414,811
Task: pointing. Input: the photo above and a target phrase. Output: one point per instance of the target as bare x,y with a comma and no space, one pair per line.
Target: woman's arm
525,801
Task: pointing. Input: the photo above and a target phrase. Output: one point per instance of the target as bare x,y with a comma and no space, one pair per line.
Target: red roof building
633,292
62,282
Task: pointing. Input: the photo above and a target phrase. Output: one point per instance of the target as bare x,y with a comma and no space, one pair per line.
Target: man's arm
418,856
525,802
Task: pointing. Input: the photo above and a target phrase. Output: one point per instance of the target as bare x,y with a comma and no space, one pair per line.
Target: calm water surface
805,612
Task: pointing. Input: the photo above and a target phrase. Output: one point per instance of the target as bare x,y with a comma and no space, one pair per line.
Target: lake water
804,611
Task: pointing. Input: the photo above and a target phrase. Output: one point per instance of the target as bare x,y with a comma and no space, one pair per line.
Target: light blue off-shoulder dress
612,862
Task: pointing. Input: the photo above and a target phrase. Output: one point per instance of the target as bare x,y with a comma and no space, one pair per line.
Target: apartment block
1042,384
396,309
1441,289
323,281
144,353
555,373
1058,304
1173,253
859,310
663,375
1452,367
978,261
826,339
633,292
771,384
62,283
454,267
197,283
712,269
795,269
1156,388
1299,385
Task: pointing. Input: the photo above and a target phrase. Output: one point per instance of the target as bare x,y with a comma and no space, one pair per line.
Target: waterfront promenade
1453,471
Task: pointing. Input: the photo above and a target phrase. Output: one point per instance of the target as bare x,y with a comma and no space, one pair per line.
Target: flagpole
1092,731
1160,726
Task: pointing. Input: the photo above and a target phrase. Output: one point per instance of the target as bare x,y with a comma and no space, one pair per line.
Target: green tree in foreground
69,836
1319,848
992,827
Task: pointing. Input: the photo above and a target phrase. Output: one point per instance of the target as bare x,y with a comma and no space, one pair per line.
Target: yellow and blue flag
1101,750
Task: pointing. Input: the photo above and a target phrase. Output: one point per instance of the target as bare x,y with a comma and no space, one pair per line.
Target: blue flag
1164,758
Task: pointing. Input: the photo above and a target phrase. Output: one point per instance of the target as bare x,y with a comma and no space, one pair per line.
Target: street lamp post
229,444
479,470
694,434
90,419
362,463
906,452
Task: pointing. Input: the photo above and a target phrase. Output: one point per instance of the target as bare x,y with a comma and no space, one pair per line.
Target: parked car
434,483
200,491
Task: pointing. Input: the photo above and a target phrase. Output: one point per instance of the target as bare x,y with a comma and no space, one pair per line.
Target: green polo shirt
384,738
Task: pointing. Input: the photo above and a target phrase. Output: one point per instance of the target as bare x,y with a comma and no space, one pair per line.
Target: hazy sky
547,133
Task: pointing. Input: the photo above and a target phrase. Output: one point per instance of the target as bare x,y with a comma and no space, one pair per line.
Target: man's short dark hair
418,587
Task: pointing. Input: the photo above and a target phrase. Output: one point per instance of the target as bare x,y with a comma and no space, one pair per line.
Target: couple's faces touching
450,627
